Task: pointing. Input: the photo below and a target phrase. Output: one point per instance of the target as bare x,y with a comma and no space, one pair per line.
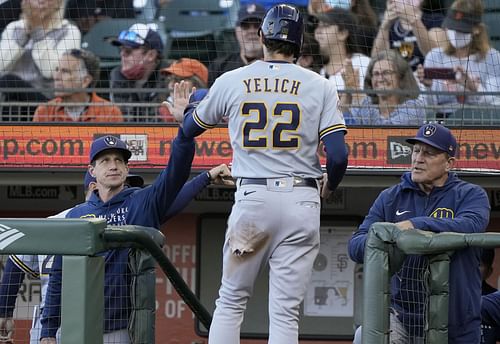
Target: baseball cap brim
119,43
460,26
179,70
426,141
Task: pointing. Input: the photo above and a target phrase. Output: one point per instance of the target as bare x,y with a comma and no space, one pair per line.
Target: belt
310,182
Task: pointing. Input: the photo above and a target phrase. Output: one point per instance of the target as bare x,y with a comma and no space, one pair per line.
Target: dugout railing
385,249
80,241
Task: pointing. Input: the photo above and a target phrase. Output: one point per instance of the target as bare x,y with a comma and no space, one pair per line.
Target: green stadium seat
474,117
98,40
195,28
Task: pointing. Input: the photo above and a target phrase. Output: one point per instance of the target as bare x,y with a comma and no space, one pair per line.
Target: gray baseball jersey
277,114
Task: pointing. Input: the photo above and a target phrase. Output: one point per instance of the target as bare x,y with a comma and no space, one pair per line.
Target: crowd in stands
406,63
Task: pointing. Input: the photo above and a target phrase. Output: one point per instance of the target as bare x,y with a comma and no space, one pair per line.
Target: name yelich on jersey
275,85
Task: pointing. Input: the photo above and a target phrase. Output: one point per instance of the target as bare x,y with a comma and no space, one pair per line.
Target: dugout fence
82,306
385,250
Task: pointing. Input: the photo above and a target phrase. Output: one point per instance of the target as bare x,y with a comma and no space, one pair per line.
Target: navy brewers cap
437,136
109,142
252,11
140,35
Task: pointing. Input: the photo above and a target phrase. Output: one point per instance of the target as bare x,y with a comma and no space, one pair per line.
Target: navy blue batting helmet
283,23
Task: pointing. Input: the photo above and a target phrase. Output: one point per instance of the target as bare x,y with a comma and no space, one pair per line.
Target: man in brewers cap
431,197
119,205
249,20
141,51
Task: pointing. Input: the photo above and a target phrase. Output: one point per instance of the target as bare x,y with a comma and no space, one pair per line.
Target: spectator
141,50
249,20
87,13
468,52
77,71
387,71
29,53
364,15
192,71
338,41
431,197
310,55
410,30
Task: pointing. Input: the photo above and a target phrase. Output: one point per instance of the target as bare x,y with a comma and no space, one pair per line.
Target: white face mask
458,39
345,4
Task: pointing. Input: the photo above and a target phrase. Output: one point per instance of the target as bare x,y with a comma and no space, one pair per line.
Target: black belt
311,182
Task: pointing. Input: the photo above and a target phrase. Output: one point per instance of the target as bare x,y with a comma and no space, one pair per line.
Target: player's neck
277,57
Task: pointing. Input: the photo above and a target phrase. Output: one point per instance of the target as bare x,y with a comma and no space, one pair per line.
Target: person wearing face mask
468,52
141,50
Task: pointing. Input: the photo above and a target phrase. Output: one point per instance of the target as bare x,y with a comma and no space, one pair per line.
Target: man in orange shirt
77,71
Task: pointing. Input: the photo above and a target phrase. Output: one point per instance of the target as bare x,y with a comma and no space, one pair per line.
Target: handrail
152,240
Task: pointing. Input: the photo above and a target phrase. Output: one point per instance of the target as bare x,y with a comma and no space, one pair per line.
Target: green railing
79,241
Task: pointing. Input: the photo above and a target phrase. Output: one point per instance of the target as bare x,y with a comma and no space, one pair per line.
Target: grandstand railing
82,306
385,251
460,115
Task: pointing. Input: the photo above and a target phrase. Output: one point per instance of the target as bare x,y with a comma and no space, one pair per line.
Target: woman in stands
387,72
29,53
363,13
338,41
475,63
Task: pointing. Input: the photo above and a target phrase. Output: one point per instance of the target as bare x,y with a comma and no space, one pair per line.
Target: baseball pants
275,224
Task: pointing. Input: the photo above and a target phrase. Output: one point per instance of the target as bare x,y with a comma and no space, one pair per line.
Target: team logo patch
443,213
110,141
429,130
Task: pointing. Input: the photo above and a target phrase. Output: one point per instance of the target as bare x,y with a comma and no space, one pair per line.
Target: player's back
277,112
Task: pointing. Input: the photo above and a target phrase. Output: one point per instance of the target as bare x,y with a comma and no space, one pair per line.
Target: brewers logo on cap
110,141
429,130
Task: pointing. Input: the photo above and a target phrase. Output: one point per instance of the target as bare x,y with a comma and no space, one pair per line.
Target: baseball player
277,113
119,205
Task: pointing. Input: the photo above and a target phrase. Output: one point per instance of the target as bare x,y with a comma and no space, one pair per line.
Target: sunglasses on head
131,36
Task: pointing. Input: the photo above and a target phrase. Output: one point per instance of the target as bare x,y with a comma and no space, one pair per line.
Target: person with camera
410,27
467,65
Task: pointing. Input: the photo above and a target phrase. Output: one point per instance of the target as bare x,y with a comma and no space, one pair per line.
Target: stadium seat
491,5
474,117
194,27
98,40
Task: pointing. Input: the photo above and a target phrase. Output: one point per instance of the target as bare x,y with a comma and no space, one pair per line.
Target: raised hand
182,92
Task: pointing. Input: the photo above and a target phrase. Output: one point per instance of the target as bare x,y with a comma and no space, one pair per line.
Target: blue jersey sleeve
12,279
159,196
51,316
187,193
471,217
336,158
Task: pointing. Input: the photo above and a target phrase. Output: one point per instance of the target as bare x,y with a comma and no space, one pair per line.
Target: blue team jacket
132,206
457,206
